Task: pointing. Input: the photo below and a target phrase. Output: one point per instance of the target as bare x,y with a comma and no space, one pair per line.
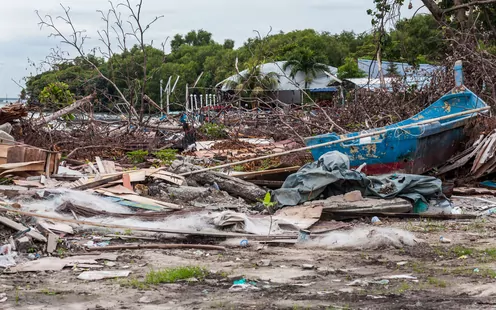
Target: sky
21,37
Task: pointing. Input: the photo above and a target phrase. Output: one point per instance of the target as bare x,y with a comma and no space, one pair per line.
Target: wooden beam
99,182
403,215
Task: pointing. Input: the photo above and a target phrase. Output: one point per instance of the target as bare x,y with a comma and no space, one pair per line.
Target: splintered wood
482,155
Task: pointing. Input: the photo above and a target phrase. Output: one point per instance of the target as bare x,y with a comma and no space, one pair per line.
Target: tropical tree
350,69
253,82
307,61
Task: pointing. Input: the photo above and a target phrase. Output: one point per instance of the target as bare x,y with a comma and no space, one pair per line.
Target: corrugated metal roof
402,69
374,84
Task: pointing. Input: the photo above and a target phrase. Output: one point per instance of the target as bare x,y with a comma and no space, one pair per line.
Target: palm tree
254,82
304,60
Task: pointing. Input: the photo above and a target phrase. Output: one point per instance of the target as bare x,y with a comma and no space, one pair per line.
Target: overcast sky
21,38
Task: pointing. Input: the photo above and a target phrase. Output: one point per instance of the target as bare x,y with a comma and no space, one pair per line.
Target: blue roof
402,69
324,89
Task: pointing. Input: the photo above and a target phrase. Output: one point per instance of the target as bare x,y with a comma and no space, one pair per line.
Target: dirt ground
445,276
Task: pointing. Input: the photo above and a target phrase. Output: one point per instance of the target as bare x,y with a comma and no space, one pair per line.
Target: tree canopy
196,53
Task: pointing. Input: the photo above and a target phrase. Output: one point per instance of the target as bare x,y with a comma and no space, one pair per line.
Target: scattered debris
100,275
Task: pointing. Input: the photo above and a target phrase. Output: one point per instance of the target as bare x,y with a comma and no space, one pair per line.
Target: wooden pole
369,134
64,111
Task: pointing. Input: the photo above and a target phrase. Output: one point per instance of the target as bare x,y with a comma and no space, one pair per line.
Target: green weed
436,282
172,275
48,292
166,156
213,131
138,156
134,283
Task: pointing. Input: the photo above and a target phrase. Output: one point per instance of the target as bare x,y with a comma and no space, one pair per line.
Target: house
288,89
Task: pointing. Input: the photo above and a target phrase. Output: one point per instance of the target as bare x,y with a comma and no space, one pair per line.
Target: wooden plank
169,177
47,165
269,184
126,181
139,199
56,227
254,174
4,150
109,166
33,234
473,191
92,167
28,183
52,243
100,275
95,184
99,163
402,215
119,190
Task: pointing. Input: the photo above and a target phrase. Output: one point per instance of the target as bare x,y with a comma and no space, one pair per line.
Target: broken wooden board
334,204
57,264
100,275
166,176
56,227
52,243
19,227
135,205
37,167
109,166
29,184
302,217
100,166
119,190
352,214
126,181
254,174
140,199
22,153
98,183
462,191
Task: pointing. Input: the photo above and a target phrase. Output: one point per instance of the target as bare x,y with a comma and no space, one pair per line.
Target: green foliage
350,69
172,275
437,282
134,283
254,82
308,62
267,201
56,94
166,156
413,40
213,130
138,156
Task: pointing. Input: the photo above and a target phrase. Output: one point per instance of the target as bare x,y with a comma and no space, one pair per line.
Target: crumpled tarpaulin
331,175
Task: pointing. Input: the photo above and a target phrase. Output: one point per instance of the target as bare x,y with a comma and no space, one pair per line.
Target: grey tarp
331,175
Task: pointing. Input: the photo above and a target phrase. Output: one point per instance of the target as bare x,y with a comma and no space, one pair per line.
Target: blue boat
415,149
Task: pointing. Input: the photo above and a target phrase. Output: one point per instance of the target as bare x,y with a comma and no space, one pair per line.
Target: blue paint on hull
412,150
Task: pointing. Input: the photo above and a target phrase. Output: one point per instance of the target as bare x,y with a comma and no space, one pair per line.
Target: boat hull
416,149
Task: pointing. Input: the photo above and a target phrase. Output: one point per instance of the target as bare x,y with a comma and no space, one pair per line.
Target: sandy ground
445,276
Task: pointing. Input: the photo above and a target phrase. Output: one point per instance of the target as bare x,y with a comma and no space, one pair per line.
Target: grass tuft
437,282
172,275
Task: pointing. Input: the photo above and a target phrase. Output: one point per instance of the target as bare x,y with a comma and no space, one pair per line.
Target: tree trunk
64,111
435,10
234,186
460,14
379,67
